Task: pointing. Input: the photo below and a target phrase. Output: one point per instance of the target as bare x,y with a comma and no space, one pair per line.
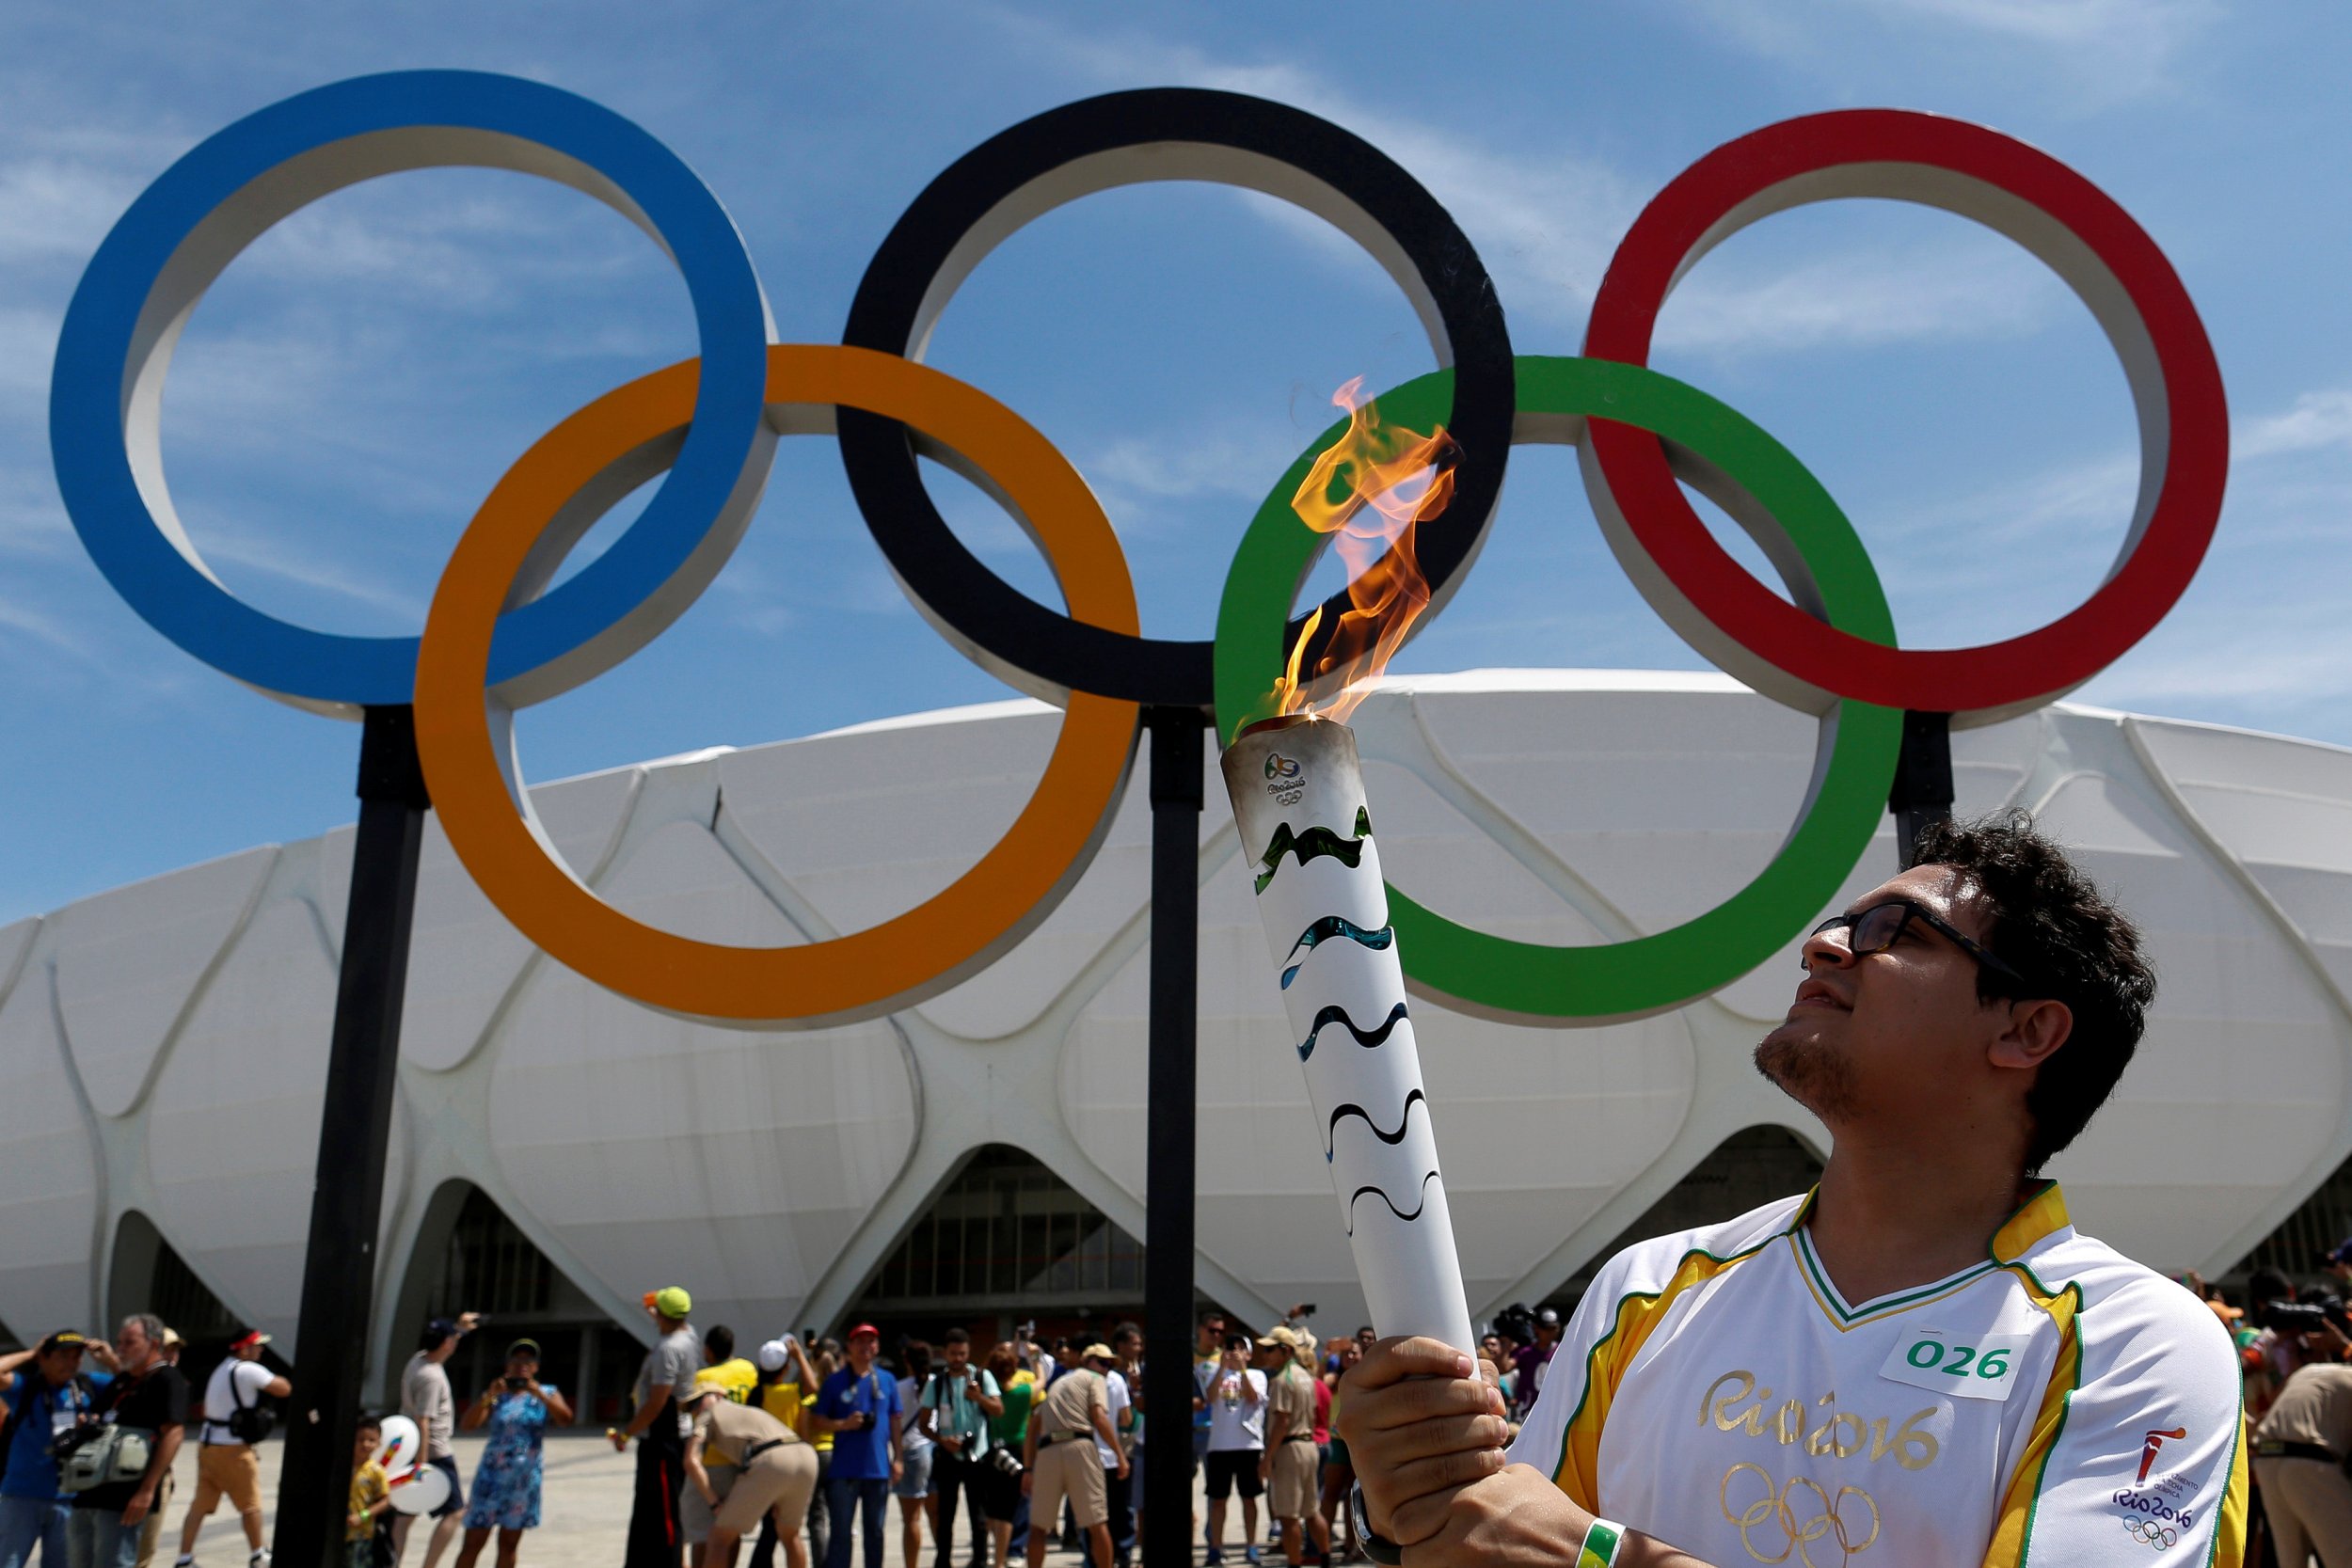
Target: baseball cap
864,1329
1097,1352
65,1339
1277,1335
772,1356
249,1338
671,1301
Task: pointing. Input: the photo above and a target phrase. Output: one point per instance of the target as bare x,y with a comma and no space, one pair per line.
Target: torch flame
1371,488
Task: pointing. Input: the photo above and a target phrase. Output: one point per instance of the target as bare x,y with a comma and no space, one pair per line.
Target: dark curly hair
2072,944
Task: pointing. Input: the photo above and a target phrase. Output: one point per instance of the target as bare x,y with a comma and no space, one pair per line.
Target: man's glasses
1882,925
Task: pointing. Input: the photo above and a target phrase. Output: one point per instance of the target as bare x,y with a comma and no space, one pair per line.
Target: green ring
1530,981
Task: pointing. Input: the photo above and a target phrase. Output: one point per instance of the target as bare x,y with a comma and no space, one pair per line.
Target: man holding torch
1919,1364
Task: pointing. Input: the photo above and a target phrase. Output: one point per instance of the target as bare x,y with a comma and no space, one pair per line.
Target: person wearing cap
426,1400
775,1470
734,1379
1059,1461
859,1404
226,1464
1532,1361
785,1372
1287,1463
659,1422
1236,1395
518,1409
47,1395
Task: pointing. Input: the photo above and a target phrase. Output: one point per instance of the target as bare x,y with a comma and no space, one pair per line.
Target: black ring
1125,138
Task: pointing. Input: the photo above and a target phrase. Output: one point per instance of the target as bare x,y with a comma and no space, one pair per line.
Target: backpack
248,1423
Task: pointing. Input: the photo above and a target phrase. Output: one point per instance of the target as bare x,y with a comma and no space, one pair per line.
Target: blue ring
615,602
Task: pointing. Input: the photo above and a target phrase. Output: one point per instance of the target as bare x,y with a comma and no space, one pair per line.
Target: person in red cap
859,1406
227,1465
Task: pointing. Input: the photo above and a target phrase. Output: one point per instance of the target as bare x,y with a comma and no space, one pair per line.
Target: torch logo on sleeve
1298,790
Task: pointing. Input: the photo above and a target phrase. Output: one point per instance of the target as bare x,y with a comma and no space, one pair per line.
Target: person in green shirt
1000,1493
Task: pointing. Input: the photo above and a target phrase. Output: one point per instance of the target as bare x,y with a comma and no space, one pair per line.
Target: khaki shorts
231,1470
1293,1492
778,1482
1071,1468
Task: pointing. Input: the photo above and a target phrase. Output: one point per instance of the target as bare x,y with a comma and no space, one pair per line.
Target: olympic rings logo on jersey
498,636
1774,1505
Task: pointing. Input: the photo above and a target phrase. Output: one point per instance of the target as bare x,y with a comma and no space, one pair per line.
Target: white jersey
2056,1405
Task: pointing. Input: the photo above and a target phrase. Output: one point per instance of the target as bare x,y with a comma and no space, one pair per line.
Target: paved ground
585,1506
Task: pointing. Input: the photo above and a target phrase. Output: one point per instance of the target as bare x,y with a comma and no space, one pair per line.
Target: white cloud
2318,421
1545,221
2087,53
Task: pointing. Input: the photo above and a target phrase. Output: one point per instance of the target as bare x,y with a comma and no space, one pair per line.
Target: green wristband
1601,1541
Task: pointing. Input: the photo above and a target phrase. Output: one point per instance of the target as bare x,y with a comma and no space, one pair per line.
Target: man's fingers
1368,1411
1391,1361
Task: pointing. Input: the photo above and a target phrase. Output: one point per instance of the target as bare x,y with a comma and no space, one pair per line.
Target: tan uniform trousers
1071,1468
2309,1504
779,1482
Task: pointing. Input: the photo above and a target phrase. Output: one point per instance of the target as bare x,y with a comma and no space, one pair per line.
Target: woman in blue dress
516,1408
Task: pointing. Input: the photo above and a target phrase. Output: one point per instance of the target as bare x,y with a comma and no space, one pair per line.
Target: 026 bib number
1965,1367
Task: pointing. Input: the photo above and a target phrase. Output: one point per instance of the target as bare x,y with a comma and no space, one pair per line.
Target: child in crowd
371,1495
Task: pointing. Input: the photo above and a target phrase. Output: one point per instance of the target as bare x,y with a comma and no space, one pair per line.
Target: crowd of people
801,1446
1002,1448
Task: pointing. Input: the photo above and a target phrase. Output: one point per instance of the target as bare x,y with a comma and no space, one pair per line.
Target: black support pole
1923,781
1168,1243
355,1128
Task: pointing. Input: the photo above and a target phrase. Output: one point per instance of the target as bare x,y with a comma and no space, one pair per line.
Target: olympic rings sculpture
498,636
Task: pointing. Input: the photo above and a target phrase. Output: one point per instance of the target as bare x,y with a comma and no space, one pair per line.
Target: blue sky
357,382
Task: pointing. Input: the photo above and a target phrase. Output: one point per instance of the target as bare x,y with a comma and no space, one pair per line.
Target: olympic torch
1307,847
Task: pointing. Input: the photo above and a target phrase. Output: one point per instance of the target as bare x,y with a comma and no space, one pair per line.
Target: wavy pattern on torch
1381,1193
1328,928
1314,843
1331,1138
1337,1014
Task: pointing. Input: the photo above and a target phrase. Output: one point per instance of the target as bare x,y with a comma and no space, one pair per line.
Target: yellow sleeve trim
1579,1471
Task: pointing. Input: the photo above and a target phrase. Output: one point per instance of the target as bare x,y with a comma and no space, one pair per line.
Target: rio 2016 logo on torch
499,636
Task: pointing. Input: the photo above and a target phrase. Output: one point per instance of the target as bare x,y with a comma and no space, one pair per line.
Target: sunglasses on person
1882,925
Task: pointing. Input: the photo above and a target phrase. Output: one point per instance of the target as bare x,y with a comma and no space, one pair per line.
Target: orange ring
460,725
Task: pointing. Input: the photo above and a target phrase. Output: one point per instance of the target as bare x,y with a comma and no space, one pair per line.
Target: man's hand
1513,1517
135,1509
1420,1422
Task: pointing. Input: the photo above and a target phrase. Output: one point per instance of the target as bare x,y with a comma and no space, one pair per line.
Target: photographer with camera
859,1404
2301,1443
226,1464
114,1473
47,1396
953,1412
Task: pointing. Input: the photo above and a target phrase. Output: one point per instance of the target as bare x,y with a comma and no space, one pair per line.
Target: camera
2303,1317
62,1446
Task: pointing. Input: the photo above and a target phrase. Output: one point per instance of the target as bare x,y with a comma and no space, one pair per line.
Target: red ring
1701,207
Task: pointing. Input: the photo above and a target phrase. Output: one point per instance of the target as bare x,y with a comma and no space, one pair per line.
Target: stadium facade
558,1150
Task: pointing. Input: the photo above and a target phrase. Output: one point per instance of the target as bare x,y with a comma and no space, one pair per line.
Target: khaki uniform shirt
729,1431
2316,1406
1291,1392
1069,1405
